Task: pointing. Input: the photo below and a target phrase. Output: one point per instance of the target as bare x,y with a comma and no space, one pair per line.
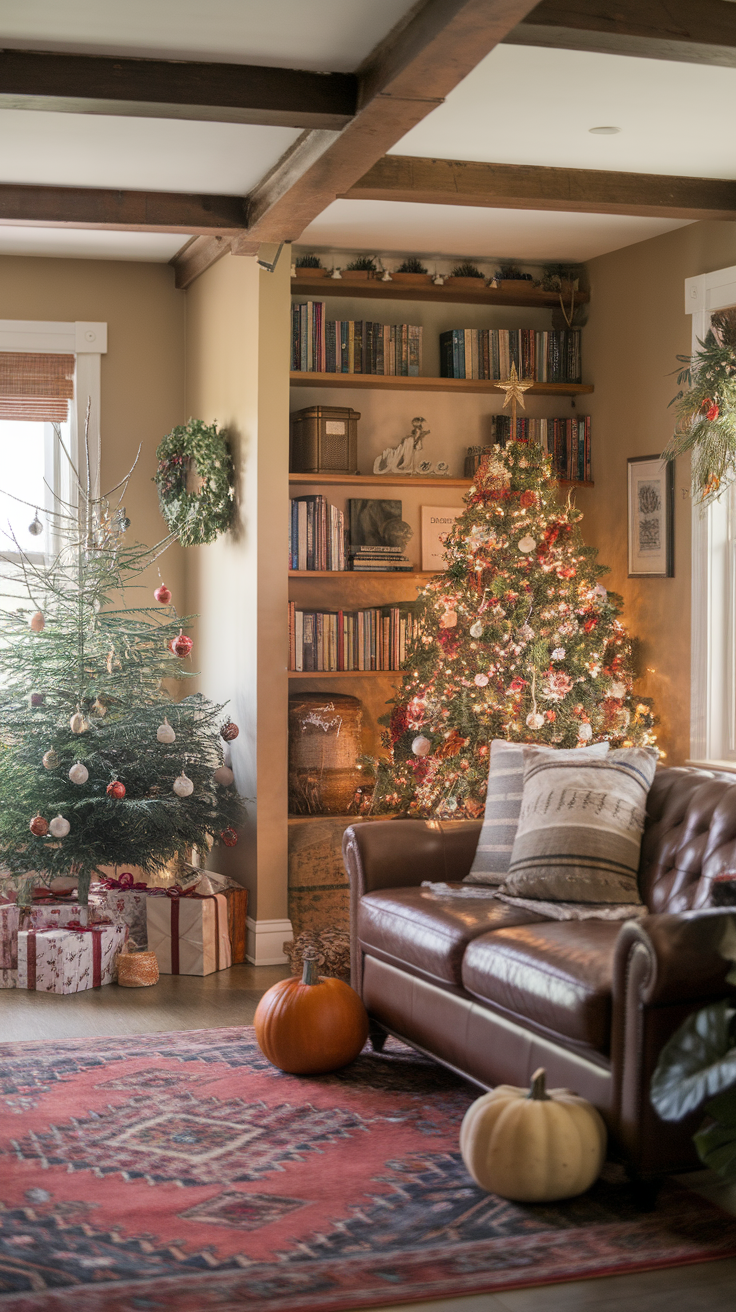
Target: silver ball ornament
50,759
421,746
59,827
78,723
476,630
535,720
183,786
224,776
79,774
35,527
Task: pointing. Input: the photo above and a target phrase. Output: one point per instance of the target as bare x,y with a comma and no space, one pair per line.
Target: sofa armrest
665,967
670,959
399,854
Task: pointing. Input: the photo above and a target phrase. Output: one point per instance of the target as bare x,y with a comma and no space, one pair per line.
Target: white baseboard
265,939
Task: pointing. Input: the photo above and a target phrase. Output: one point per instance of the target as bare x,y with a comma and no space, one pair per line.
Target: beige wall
238,324
142,373
637,328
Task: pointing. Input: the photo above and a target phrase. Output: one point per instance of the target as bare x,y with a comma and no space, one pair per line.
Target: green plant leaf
716,1145
698,1062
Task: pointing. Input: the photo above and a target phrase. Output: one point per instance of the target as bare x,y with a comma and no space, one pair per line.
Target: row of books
566,440
374,639
352,346
316,535
547,357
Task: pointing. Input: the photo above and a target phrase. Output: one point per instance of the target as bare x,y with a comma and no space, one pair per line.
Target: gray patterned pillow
580,826
503,804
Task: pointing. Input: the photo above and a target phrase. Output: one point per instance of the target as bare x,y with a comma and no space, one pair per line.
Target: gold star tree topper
514,387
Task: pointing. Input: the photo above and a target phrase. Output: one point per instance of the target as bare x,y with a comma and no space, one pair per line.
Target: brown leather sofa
493,992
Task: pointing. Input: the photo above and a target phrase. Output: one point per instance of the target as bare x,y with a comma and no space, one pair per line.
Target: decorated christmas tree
517,640
99,765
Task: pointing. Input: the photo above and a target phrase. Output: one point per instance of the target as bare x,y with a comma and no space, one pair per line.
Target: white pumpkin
533,1146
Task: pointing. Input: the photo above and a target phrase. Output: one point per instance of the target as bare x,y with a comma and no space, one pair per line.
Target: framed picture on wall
651,512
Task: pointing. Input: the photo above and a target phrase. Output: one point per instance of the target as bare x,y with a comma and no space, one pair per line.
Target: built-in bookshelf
380,399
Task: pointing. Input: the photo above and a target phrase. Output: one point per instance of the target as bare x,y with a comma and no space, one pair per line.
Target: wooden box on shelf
324,439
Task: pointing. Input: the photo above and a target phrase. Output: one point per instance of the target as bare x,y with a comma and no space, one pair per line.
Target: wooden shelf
394,382
345,674
382,480
343,819
359,573
374,290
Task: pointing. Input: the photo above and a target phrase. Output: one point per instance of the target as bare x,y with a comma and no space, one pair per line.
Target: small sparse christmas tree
517,640
99,766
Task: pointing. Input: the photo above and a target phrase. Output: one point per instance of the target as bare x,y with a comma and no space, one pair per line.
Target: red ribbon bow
125,883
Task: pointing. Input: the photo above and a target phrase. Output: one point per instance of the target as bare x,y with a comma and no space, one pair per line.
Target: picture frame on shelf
651,510
437,521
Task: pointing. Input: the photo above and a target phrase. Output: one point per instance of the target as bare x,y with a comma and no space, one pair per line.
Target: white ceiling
75,243
391,226
325,35
523,105
153,154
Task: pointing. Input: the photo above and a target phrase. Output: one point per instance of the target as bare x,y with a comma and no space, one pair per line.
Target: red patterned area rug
183,1173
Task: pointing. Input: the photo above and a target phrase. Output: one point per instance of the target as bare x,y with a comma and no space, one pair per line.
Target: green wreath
196,517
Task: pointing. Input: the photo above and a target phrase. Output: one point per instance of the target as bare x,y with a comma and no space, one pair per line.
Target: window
713,575
48,373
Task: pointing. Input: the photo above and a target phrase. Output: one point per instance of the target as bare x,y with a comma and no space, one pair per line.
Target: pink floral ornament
556,686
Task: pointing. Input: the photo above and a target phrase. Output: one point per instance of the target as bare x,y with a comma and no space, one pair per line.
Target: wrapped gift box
188,933
47,914
125,902
69,959
9,920
237,909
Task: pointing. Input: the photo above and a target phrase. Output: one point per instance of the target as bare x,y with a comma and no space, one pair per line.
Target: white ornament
59,827
78,724
79,774
476,630
421,746
618,690
183,786
480,680
165,733
558,654
527,544
223,776
585,731
535,720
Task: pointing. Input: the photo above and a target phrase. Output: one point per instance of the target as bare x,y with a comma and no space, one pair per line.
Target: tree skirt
183,1173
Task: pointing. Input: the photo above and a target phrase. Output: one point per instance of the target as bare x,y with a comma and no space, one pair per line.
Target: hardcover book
437,521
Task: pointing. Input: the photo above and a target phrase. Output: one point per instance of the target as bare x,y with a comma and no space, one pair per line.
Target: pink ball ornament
480,680
421,746
163,595
181,645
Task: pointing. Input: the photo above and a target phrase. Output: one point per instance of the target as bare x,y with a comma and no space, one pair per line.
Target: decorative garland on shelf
706,410
201,516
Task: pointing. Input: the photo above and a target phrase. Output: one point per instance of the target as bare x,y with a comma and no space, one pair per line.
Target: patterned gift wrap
188,932
9,919
69,959
124,900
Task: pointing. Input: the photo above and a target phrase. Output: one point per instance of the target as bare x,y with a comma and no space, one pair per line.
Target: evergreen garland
517,640
195,517
706,410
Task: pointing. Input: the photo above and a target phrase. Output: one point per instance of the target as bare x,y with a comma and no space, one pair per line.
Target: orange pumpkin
311,1025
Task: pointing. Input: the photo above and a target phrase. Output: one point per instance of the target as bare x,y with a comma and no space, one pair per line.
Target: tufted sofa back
689,837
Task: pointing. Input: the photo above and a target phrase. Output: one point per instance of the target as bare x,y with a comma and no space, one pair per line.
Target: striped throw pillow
503,804
580,826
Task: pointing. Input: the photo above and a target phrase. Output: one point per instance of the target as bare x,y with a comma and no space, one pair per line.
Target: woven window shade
35,387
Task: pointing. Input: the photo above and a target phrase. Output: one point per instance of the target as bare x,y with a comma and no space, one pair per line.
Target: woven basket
137,970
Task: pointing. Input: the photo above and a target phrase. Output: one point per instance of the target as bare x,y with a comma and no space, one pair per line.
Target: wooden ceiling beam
680,30
528,187
121,211
424,57
162,88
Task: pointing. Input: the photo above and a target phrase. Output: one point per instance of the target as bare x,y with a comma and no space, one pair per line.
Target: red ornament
229,731
163,595
116,790
229,837
39,826
713,412
181,645
528,498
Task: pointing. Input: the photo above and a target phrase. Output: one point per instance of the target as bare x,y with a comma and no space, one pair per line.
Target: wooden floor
230,998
